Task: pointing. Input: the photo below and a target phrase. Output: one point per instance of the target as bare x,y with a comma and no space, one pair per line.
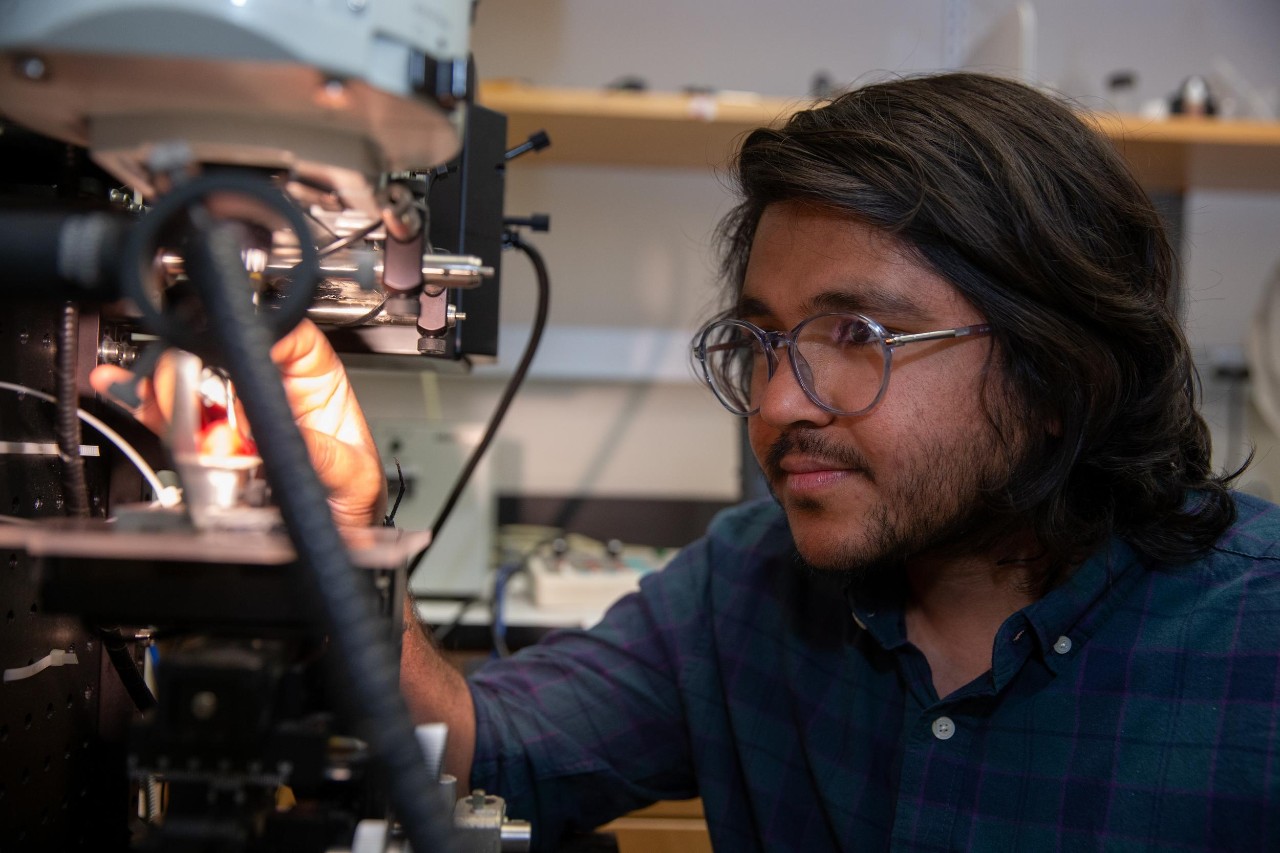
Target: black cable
464,604
363,318
171,319
397,208
389,520
349,240
74,485
512,239
127,668
363,656
337,246
318,221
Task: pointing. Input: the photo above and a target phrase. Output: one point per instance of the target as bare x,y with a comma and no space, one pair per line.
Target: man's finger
304,352
355,480
105,376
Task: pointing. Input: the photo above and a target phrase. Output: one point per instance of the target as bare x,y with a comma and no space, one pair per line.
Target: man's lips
804,459
808,473
810,464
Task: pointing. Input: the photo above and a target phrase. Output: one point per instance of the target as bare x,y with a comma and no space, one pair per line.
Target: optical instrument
203,174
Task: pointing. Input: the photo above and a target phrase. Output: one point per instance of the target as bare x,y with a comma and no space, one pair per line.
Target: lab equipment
265,162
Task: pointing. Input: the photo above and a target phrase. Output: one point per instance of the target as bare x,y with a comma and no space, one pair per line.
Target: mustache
810,443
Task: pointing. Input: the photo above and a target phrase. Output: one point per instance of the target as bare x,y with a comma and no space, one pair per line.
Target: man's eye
854,332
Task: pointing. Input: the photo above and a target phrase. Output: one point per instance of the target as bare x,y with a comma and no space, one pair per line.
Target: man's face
905,478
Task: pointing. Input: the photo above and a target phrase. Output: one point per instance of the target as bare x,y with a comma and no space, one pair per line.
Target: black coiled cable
74,486
365,661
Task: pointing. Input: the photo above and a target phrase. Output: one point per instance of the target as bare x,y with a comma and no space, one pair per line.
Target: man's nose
784,401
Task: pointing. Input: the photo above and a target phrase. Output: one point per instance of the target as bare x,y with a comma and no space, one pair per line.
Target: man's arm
437,693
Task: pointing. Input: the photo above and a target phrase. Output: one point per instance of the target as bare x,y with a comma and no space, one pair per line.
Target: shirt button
943,728
1063,645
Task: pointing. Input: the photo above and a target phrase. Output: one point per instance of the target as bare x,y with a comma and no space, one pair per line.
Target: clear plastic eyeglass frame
770,342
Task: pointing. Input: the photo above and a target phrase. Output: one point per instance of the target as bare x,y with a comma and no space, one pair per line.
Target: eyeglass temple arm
773,339
960,332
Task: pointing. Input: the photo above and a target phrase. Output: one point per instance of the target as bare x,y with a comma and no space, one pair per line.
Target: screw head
428,345
204,705
32,68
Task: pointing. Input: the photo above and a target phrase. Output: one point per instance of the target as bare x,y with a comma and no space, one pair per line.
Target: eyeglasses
841,360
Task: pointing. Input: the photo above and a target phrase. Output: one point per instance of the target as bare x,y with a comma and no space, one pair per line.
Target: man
1000,601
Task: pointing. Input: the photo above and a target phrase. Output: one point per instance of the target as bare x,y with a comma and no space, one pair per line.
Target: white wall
629,248
1164,41
1231,254
652,439
767,47
775,48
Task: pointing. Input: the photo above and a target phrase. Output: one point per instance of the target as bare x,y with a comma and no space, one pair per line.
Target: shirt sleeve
589,725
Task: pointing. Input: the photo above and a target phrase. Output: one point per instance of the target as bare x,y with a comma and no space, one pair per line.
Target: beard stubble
940,505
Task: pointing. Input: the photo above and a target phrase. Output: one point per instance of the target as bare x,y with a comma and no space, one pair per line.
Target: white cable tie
169,496
56,657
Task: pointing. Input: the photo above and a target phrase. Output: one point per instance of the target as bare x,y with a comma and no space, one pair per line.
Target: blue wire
499,625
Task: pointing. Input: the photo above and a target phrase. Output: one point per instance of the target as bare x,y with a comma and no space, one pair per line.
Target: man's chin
863,579
865,558
824,546
819,556
830,535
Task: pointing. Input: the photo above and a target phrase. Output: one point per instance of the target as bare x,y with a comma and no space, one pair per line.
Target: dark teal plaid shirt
1133,708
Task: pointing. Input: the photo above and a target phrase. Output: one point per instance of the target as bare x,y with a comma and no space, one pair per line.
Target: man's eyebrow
749,306
872,301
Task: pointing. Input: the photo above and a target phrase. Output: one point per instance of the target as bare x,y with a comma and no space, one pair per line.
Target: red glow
219,438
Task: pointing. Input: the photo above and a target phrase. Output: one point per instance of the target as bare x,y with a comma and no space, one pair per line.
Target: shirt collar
881,618
1066,618
1062,621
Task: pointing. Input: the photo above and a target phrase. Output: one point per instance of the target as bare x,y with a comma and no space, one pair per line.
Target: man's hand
326,411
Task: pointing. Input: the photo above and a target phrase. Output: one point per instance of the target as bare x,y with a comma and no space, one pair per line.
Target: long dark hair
1037,221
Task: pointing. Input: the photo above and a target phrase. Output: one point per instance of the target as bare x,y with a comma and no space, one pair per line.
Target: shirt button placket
935,778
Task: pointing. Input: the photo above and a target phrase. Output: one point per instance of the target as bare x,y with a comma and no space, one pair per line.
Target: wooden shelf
666,827
1182,153
622,128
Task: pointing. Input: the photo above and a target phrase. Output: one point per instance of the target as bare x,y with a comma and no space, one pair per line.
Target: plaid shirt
1133,708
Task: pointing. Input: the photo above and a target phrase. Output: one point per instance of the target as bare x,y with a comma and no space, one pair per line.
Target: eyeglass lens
841,361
